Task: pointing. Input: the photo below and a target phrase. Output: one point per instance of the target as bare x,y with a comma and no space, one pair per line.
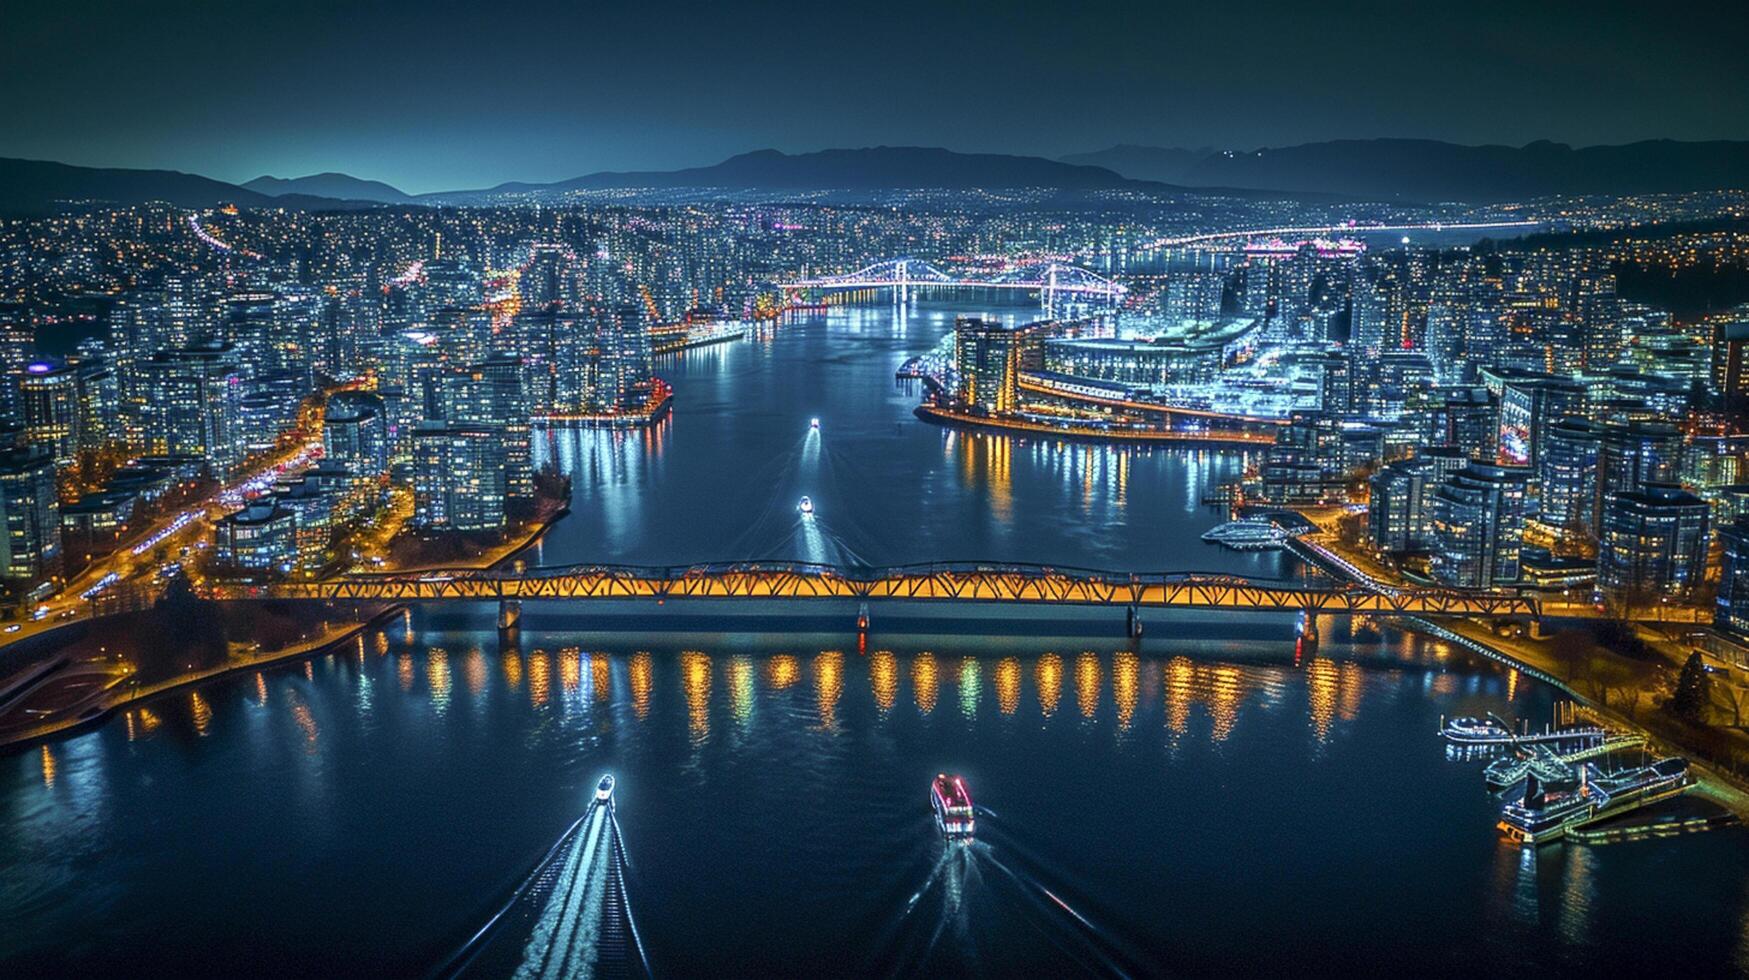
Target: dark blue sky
436,95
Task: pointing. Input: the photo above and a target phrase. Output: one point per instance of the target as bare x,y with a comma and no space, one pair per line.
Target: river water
1207,801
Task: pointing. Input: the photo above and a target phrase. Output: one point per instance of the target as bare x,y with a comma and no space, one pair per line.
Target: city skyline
561,490
427,99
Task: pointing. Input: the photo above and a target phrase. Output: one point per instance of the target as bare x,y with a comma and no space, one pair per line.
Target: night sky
432,95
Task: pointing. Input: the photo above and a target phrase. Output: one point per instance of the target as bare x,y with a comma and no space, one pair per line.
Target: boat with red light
952,804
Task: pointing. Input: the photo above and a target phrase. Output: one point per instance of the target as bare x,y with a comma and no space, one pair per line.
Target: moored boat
1248,534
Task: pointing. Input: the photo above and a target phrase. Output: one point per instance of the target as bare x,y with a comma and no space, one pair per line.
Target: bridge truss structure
944,582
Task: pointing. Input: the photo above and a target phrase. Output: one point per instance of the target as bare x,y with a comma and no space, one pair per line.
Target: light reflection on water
720,478
1145,727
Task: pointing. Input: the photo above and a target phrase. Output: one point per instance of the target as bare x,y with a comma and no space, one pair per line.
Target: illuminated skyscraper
354,432
458,476
1654,541
987,361
1567,477
192,404
1478,525
49,393
30,521
1529,404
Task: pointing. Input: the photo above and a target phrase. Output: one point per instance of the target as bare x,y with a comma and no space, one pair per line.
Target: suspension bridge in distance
1054,282
941,582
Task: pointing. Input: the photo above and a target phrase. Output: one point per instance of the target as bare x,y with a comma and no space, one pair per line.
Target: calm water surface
1206,802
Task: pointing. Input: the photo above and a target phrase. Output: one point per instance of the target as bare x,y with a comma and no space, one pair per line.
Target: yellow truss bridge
934,582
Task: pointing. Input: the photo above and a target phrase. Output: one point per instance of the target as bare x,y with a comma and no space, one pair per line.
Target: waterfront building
1400,512
30,517
623,380
1731,605
1288,477
1654,541
261,537
1542,569
491,393
987,363
1479,515
311,505
458,477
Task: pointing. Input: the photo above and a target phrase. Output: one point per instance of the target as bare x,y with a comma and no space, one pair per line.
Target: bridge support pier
862,618
1132,623
509,615
1307,630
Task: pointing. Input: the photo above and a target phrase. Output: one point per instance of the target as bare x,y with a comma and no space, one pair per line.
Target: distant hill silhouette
1389,169
873,168
1162,163
1429,170
344,187
39,186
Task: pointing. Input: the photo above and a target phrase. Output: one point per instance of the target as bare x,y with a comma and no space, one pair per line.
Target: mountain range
867,169
331,185
40,186
1422,171
1429,171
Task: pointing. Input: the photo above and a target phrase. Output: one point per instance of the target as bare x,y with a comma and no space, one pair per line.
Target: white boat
1247,534
814,424
806,506
604,789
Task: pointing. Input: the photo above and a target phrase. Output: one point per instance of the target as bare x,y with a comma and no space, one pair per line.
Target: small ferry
952,806
806,506
604,789
1547,811
1248,534
1475,731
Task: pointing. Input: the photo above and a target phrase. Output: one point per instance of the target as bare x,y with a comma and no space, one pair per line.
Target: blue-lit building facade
1653,542
1478,525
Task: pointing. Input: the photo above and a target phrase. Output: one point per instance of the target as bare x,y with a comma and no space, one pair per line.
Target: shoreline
1721,788
936,415
98,715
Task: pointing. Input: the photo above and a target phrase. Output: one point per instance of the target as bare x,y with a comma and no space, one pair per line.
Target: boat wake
570,919
954,922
